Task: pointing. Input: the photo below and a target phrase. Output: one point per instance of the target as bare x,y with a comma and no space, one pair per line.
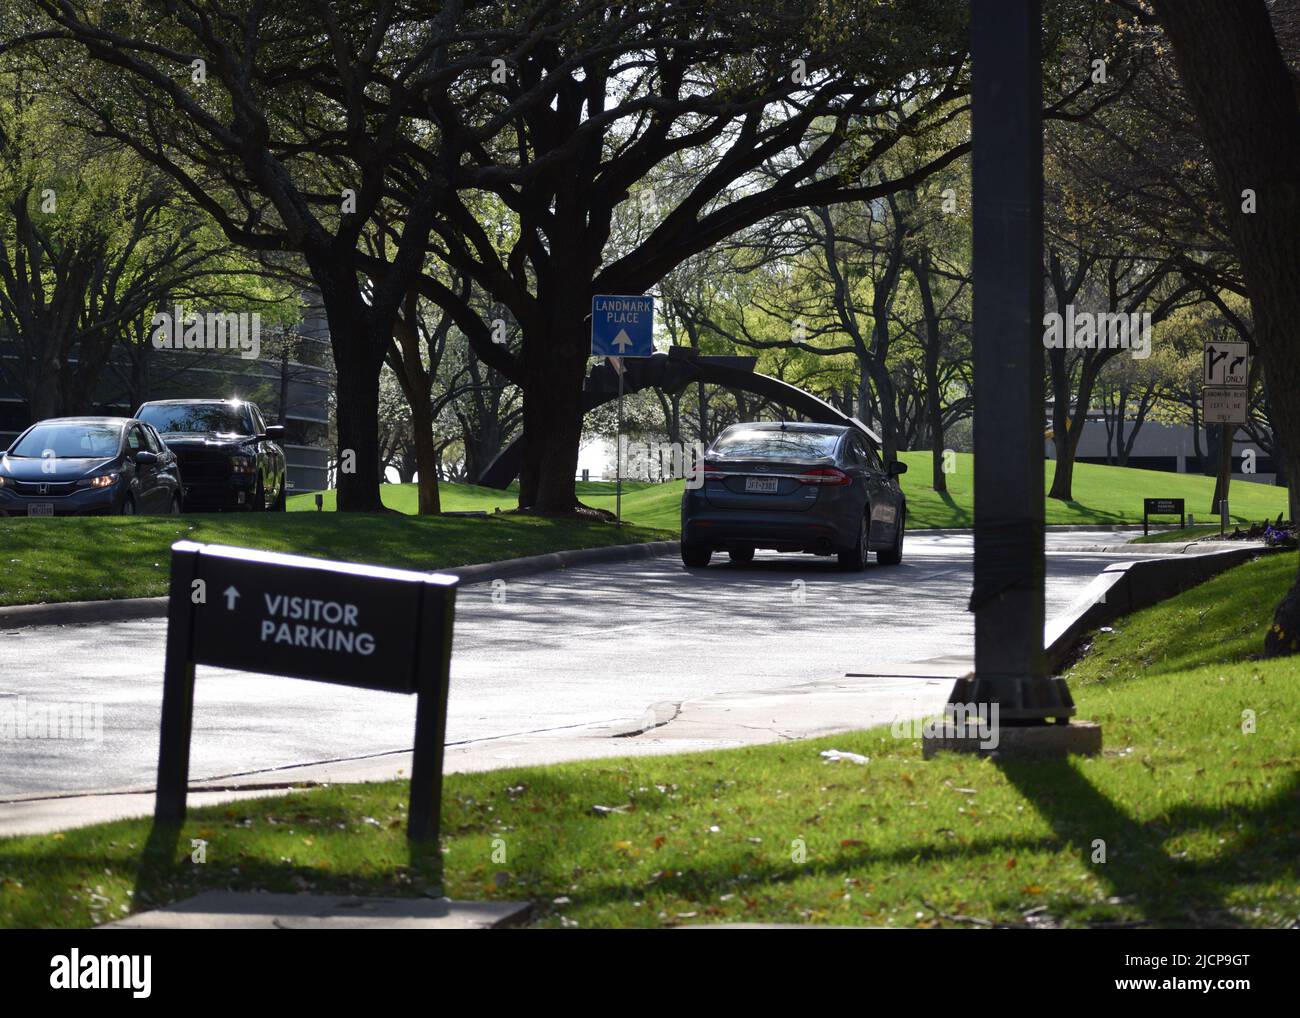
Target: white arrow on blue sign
622,326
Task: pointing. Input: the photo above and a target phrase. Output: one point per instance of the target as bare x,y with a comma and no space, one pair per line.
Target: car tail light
713,472
831,476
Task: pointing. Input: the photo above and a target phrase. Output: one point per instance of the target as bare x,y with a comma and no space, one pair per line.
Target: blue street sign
622,326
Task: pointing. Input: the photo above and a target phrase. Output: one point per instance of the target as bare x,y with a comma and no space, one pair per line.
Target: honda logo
44,489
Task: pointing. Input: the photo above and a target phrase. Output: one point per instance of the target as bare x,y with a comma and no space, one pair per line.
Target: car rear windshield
70,441
197,418
776,444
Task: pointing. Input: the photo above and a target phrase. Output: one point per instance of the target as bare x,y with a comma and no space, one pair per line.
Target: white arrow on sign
622,341
232,595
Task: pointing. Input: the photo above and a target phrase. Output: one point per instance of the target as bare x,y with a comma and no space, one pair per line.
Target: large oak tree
1248,104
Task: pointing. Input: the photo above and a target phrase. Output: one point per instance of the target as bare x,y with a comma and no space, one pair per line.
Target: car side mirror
275,431
896,467
145,458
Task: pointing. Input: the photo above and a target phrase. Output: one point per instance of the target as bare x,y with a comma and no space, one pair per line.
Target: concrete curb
1053,528
488,571
124,609
1124,587
1167,548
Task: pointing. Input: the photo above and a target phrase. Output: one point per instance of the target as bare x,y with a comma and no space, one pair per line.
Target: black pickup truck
228,455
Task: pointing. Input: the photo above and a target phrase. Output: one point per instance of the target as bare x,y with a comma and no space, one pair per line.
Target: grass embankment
646,504
1102,495
86,559
52,560
1199,820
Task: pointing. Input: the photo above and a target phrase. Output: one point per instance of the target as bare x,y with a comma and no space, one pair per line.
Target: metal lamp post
1007,206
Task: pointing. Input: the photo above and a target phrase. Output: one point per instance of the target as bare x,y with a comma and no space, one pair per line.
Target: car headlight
99,481
243,464
4,480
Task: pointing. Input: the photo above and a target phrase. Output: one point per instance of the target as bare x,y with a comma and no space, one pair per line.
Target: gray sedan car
814,488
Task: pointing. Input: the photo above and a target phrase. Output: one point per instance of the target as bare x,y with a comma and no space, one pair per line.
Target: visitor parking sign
342,622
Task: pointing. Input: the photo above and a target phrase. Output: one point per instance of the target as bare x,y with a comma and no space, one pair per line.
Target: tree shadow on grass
165,875
1259,844
1169,890
1140,872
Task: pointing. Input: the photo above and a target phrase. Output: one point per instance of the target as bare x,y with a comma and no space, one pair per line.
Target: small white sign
1226,364
1224,405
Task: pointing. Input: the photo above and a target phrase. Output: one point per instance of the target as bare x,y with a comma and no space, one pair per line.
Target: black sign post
1161,507
366,626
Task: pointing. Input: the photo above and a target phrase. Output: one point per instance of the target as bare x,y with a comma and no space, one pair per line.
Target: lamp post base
1011,716
1019,699
1081,738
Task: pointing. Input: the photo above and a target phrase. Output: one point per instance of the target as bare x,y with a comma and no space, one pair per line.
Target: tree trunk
426,459
358,428
358,359
1063,472
1246,103
938,479
703,400
44,388
1223,472
886,407
933,343
1121,452
554,365
284,381
1067,446
140,376
1196,431
406,465
1213,450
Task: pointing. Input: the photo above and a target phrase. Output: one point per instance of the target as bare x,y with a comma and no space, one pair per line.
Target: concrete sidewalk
717,721
231,910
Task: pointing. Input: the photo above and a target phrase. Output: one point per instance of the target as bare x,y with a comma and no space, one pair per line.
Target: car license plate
760,485
41,509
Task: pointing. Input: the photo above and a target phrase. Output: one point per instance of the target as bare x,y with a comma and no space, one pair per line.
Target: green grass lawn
49,560
1199,820
76,560
1103,495
649,505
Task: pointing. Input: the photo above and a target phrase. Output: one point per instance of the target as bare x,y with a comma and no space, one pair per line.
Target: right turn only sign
1225,372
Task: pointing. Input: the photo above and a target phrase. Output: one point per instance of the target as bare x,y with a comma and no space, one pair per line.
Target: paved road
565,649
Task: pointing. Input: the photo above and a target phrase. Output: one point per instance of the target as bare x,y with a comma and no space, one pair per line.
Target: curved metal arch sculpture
673,371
